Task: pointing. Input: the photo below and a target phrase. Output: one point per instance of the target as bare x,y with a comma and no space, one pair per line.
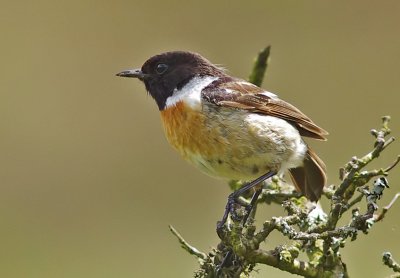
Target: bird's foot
234,208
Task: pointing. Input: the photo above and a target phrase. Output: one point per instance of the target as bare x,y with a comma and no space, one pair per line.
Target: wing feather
244,95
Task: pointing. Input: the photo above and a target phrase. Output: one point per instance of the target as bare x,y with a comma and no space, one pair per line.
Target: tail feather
310,179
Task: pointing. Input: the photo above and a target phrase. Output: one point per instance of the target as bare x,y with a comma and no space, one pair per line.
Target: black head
165,72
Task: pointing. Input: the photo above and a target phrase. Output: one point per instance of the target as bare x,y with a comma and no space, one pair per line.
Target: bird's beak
134,73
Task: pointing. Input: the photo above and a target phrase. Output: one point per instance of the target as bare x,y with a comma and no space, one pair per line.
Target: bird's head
169,71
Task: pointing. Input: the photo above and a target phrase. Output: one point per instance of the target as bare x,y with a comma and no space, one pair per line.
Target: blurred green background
88,183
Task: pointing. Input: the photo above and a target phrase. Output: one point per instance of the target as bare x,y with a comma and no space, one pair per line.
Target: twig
354,202
259,67
393,164
390,262
186,246
380,216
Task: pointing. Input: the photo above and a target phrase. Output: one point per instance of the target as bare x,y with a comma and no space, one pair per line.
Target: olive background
88,183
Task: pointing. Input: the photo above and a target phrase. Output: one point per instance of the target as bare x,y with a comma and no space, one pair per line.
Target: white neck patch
191,92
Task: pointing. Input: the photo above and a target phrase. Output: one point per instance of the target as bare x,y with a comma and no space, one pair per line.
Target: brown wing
243,95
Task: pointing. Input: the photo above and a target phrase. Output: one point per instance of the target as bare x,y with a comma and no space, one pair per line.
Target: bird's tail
310,179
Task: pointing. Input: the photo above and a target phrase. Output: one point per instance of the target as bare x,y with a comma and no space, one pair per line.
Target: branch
259,66
390,262
380,216
283,260
186,246
354,178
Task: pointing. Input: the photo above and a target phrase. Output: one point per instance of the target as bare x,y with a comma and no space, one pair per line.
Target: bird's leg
233,199
227,260
249,207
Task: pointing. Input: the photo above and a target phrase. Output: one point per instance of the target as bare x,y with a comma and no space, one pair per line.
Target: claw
233,199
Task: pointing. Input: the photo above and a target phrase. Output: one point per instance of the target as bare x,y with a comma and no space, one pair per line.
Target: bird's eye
161,68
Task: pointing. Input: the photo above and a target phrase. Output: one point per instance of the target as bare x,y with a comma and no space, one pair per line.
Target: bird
229,128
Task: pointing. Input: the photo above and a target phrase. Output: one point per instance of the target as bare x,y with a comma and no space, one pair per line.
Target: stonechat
230,128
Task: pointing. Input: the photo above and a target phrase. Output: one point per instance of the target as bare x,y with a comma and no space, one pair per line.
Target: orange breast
187,132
